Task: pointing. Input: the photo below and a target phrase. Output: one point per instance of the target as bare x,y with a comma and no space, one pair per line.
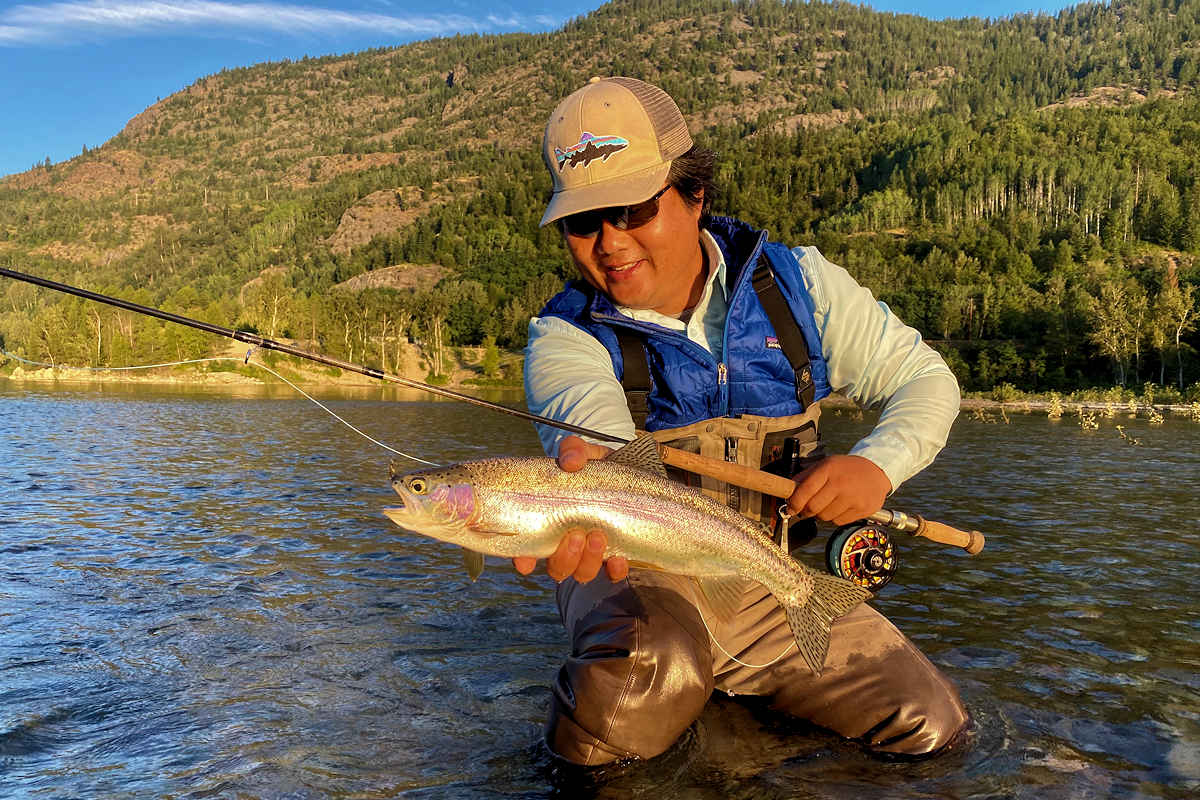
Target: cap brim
623,191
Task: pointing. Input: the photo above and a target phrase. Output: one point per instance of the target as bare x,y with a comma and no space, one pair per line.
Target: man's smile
621,270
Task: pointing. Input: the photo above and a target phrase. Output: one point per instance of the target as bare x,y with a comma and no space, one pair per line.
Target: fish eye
418,486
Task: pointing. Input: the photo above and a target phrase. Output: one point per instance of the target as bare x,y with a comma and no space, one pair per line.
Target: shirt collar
716,277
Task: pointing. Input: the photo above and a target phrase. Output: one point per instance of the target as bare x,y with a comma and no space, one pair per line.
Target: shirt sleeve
569,377
879,362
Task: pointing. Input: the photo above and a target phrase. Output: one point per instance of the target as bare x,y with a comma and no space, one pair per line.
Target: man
698,329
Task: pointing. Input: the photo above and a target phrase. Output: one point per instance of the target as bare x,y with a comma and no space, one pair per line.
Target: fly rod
270,344
756,480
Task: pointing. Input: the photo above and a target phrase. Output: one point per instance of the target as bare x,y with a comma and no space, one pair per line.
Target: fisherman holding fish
702,331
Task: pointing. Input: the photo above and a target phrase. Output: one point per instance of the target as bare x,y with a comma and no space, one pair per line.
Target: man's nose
610,238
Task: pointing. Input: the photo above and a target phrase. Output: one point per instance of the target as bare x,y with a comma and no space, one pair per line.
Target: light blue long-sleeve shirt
873,358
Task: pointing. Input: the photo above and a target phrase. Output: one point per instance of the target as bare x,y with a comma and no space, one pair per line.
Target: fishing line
731,656
245,360
331,413
254,340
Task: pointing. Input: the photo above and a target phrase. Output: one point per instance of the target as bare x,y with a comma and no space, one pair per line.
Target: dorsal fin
641,453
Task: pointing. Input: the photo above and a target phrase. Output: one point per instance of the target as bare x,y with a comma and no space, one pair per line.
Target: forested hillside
1025,191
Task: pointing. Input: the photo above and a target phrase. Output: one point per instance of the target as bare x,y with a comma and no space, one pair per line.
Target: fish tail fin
832,597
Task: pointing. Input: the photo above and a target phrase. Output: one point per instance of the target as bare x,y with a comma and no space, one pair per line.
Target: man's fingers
565,558
837,509
580,554
808,484
617,569
819,504
850,515
574,453
592,558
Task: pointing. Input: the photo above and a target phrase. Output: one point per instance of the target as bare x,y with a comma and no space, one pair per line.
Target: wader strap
788,333
635,375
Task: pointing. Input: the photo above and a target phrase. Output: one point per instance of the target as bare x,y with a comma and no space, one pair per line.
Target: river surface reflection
199,597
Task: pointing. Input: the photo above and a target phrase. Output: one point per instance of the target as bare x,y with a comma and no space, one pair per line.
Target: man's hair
691,174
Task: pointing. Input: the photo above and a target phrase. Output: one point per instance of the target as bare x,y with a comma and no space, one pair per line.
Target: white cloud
62,22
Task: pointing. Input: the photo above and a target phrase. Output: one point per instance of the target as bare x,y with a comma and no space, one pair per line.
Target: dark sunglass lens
641,213
585,223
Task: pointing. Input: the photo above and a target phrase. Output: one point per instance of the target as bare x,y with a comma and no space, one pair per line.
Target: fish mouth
398,515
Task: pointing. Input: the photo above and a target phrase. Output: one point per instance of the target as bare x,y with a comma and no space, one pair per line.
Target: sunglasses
623,218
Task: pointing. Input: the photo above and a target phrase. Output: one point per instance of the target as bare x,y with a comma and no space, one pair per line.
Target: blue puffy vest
687,382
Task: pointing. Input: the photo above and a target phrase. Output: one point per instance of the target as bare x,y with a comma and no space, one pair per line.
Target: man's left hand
840,489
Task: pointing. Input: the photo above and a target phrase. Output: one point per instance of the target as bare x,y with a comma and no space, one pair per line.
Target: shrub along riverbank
483,368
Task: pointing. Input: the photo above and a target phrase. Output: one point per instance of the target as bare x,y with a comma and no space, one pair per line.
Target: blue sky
73,72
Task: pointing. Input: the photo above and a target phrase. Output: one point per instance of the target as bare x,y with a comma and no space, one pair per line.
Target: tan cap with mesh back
611,143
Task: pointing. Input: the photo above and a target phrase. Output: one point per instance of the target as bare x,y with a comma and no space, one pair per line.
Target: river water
200,598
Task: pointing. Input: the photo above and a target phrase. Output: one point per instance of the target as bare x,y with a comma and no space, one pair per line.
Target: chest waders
642,665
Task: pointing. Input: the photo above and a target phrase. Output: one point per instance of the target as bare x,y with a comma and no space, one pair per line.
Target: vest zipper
723,386
743,278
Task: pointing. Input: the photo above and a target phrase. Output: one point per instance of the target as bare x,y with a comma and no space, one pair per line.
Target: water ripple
200,598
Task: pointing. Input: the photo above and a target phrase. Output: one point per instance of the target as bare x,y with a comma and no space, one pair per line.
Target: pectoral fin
473,561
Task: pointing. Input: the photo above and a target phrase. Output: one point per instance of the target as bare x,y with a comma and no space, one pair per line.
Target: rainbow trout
523,506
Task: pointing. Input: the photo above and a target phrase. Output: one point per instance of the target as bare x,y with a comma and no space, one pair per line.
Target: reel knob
862,552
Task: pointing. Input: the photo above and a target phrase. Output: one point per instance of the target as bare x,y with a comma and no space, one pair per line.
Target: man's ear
698,209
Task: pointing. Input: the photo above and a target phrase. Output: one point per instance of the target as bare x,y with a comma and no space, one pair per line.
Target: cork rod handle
778,486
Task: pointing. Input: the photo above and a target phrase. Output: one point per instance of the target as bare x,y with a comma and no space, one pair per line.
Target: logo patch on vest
589,149
773,343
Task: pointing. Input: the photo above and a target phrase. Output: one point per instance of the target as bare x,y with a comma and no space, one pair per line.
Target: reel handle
778,486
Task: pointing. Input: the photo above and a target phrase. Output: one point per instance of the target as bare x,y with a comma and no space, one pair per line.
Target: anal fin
724,595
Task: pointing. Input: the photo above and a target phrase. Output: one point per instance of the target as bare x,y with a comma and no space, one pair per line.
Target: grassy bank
464,367
461,367
1087,406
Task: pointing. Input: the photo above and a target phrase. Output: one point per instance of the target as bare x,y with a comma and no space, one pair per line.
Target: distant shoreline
467,381
237,371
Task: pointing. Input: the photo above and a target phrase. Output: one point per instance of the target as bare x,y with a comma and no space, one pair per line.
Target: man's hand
580,553
840,489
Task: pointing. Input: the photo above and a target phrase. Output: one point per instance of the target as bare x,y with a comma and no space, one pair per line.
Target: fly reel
862,552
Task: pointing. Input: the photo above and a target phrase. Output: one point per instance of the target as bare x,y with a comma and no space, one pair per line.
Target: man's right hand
580,553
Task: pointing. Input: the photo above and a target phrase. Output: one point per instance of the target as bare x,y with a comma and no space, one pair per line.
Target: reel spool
862,552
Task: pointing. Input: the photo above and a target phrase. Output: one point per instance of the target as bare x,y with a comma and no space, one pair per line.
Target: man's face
657,266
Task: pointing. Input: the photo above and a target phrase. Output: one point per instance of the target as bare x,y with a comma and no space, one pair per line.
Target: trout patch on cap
589,149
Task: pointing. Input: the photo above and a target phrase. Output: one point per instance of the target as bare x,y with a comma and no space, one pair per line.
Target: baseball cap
611,143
